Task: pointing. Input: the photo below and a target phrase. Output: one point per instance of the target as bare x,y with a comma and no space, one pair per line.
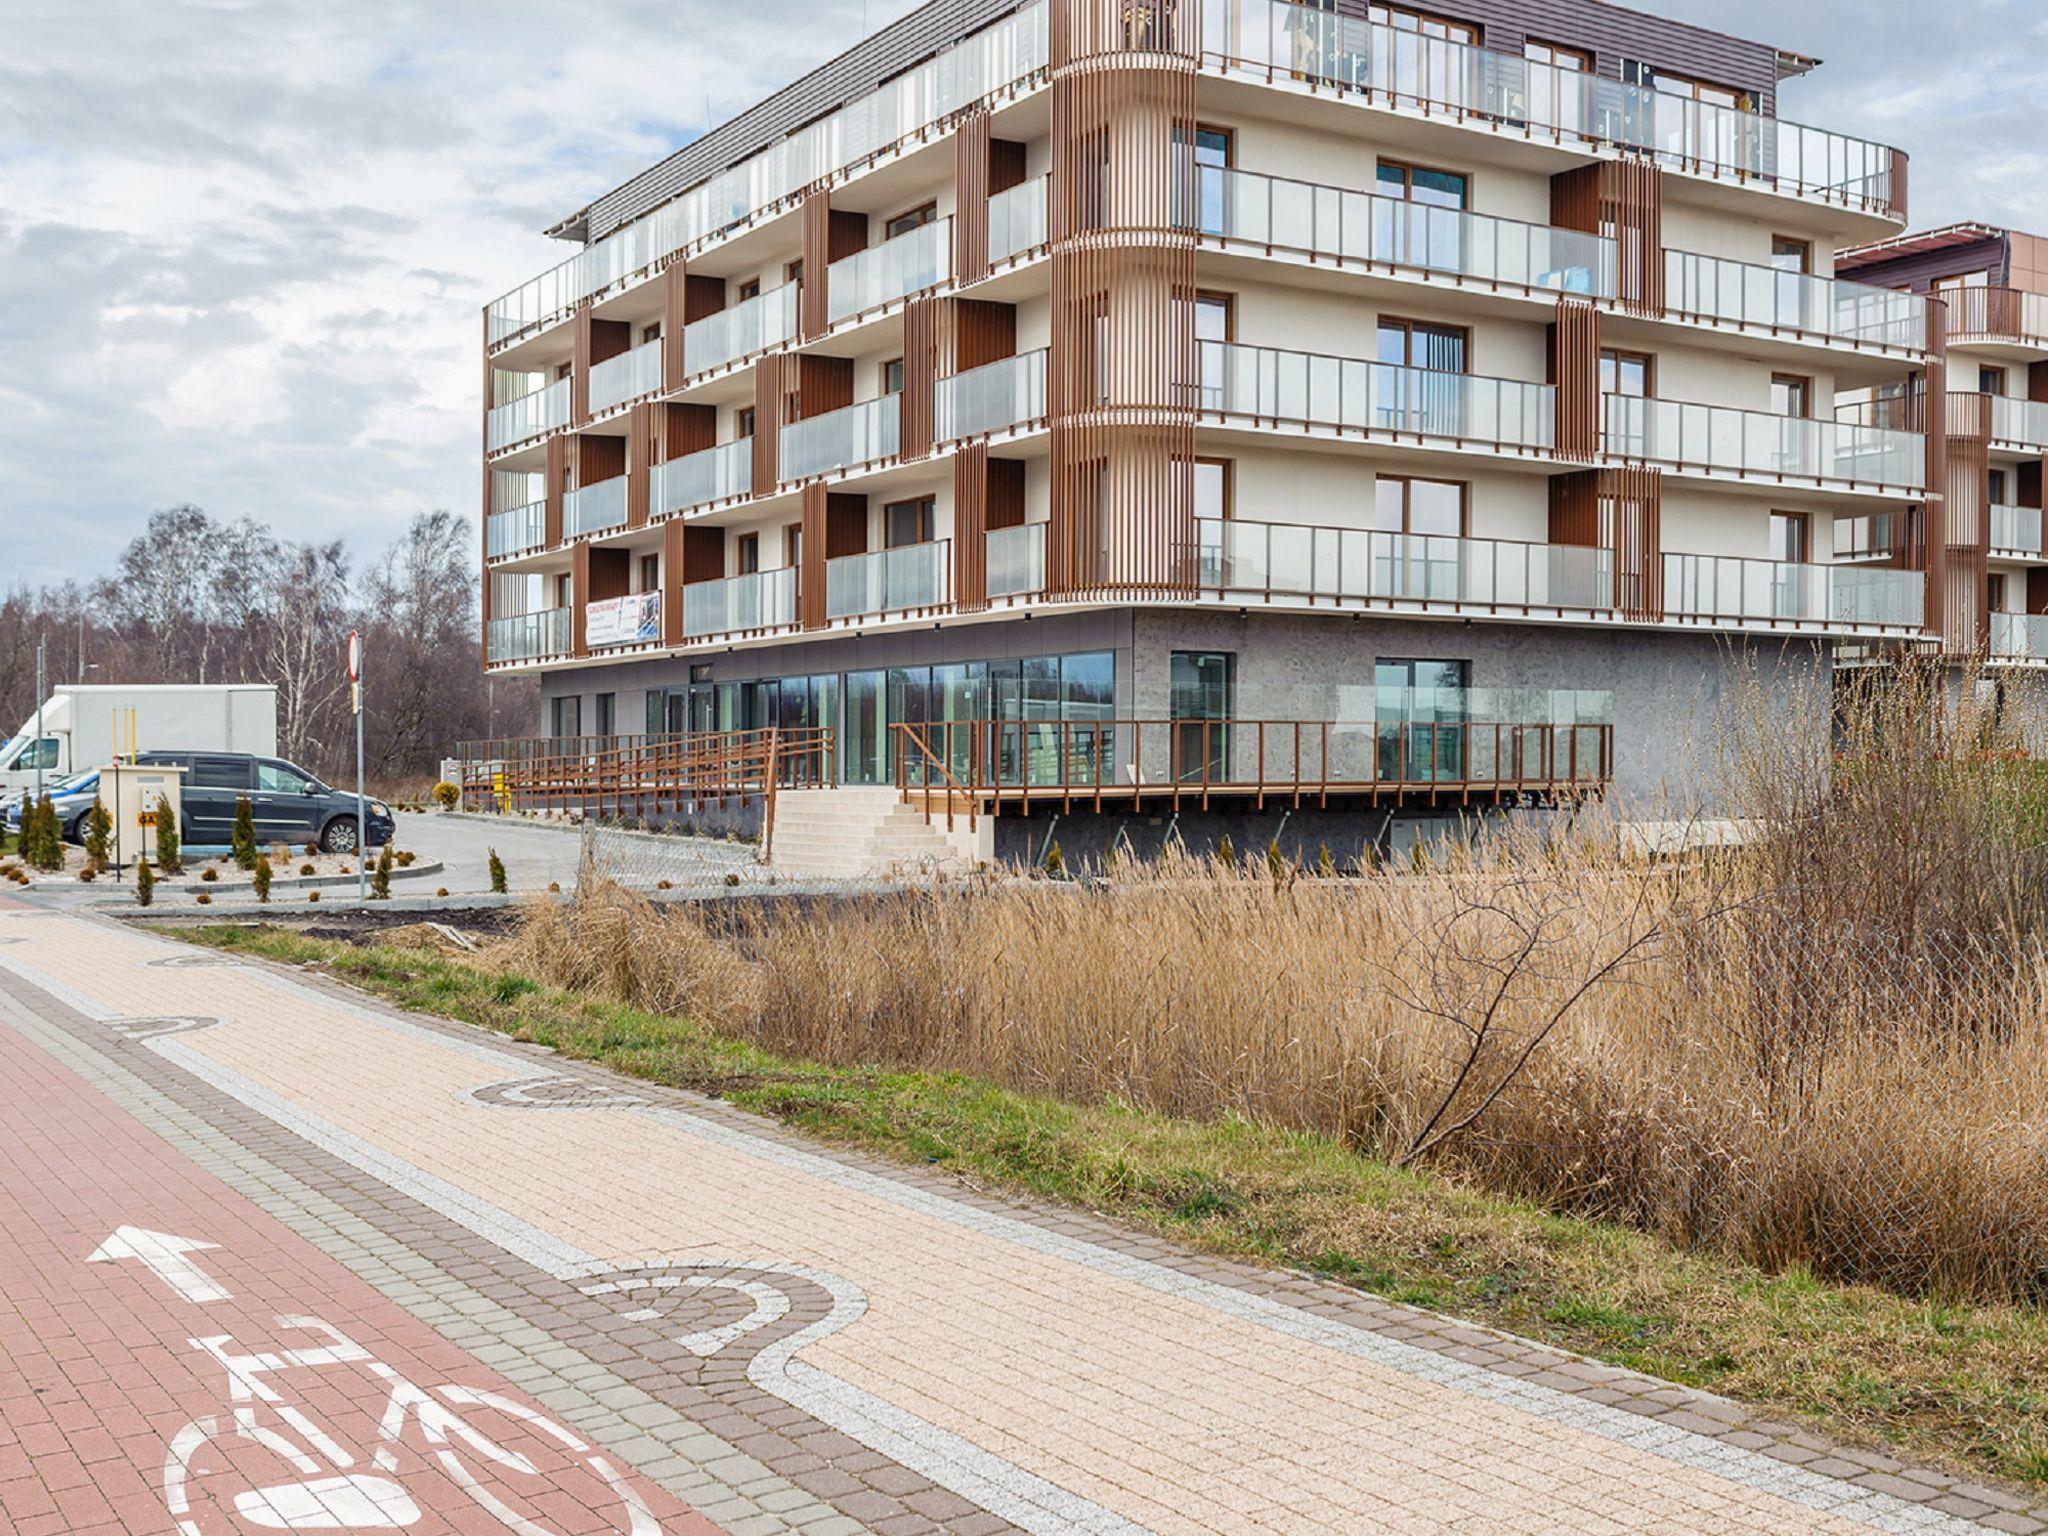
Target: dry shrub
1827,1046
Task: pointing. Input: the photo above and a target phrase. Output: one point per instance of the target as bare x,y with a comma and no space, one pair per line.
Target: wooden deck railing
976,766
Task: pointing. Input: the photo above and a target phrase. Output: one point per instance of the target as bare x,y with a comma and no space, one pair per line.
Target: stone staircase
851,833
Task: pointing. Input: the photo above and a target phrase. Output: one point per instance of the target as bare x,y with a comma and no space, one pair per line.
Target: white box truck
85,725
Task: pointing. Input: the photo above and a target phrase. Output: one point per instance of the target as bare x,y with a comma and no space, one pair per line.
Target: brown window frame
928,520
1404,323
1409,168
650,565
1229,468
1624,354
742,422
1408,500
904,378
746,554
650,333
1385,14
929,208
1805,383
1229,137
1584,56
750,289
1804,522
1805,251
1229,303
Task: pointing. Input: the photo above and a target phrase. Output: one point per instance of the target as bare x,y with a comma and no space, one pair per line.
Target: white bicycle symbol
335,1490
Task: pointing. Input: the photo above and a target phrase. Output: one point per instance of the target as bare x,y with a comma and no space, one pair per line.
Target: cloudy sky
244,243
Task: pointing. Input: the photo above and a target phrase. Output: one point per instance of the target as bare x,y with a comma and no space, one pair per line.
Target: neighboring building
1989,578
1450,393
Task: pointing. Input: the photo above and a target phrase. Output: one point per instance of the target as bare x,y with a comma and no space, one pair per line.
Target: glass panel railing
890,580
920,259
760,600
1363,564
2016,530
710,474
1745,293
1437,75
990,60
1737,589
995,397
1487,735
1016,560
1276,213
515,530
544,410
634,619
1017,219
524,636
594,508
1686,435
2019,421
1272,384
855,435
766,320
625,377
1465,406
2020,636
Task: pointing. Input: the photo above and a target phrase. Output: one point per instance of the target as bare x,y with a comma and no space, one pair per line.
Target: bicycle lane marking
252,1384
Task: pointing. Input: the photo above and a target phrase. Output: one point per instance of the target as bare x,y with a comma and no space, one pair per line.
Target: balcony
1757,297
515,531
1017,220
849,438
913,262
2019,424
995,397
760,600
1735,590
752,325
1268,384
1997,314
1687,437
634,619
527,636
626,377
697,479
1272,213
1437,77
1300,562
543,410
911,578
2016,531
1016,560
2019,637
594,508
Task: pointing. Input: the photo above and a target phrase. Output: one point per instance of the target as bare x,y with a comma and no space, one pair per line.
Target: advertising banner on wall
630,620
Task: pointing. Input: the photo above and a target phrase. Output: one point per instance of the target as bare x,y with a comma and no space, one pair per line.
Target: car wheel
75,833
340,836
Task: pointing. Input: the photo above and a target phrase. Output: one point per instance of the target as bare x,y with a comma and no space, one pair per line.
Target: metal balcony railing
516,530
2016,530
625,377
1764,298
527,636
1739,590
910,578
741,604
1686,435
542,410
913,262
752,325
1017,219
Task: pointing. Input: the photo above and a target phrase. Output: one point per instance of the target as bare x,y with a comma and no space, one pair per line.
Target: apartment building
1989,575
1417,406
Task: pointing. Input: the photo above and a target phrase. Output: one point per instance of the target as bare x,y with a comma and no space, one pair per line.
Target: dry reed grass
1828,1047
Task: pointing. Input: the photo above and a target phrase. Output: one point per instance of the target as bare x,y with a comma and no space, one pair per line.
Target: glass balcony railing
1681,434
1439,77
625,377
1016,560
1275,213
1998,314
594,508
544,410
2019,636
1737,590
1271,384
516,530
708,475
2019,421
739,604
527,636
919,259
2016,530
1017,220
855,435
991,60
752,325
914,576
1745,293
1365,565
995,397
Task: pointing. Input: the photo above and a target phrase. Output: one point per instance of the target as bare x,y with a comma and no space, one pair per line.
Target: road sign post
352,660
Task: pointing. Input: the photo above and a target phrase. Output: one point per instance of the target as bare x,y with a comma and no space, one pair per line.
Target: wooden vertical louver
924,321
971,191
810,576
643,448
814,297
1965,524
1575,379
675,302
579,365
769,390
579,597
970,527
1621,511
672,581
1624,201
555,486
489,505
1123,285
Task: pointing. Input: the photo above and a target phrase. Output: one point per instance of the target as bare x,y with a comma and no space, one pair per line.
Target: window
1402,504
746,553
909,522
281,779
1649,77
793,545
1418,344
743,421
1990,381
1791,537
1213,146
1575,60
1214,484
1789,255
1625,373
41,753
892,376
607,713
1202,692
565,716
220,773
650,573
650,333
1215,317
793,272
1994,488
1791,395
911,218
1963,280
565,590
1995,593
1214,149
750,289
1422,709
1402,19
1417,184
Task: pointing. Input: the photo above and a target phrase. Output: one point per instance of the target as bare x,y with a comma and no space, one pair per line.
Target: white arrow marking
164,1257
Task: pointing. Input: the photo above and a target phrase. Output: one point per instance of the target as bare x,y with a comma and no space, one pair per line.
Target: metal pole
41,646
362,820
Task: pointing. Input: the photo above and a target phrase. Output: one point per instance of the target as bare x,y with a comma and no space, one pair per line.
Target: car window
220,773
280,779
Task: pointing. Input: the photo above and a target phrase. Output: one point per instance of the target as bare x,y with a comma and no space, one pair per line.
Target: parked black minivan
288,803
